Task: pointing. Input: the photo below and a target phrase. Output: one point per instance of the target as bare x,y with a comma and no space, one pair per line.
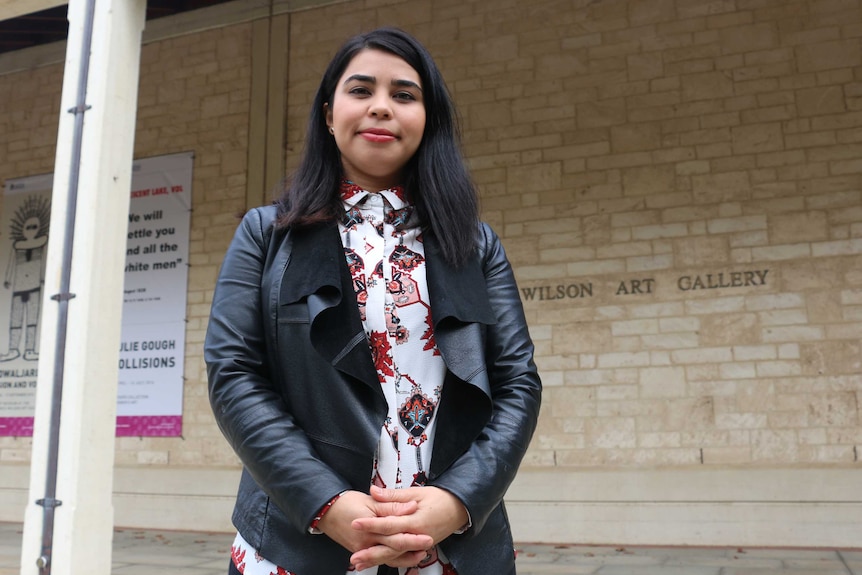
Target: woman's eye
404,96
360,91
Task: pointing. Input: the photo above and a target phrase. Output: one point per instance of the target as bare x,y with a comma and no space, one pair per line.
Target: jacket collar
317,262
456,293
318,273
315,258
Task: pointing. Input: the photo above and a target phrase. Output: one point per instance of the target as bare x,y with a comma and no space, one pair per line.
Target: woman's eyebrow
373,80
361,78
407,84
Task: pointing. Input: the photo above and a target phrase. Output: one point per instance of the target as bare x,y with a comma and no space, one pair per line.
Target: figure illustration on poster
25,275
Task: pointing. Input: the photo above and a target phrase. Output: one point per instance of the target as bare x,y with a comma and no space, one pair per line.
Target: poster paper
152,346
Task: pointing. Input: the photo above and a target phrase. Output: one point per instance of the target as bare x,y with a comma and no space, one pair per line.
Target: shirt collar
352,194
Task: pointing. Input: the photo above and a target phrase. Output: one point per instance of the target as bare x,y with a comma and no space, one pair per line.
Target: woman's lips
376,135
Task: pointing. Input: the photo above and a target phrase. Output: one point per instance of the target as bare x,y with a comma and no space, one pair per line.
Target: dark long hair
436,178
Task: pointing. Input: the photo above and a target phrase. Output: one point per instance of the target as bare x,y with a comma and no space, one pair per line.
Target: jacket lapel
318,273
458,293
460,308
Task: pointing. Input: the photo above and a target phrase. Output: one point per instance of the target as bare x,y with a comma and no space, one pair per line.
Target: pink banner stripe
127,426
16,426
150,426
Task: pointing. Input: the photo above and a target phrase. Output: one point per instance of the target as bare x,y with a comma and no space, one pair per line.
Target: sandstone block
821,100
615,433
796,227
829,55
662,382
707,86
757,138
834,409
729,329
725,187
774,445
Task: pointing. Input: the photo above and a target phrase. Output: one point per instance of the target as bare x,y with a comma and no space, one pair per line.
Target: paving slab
783,571
826,563
657,570
144,552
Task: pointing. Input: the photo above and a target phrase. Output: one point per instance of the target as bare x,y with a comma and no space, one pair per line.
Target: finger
384,555
386,525
402,542
393,508
394,532
391,495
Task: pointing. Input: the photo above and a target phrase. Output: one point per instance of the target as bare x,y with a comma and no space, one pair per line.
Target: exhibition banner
24,228
151,365
152,346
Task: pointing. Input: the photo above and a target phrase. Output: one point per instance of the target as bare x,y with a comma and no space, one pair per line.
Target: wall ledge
776,507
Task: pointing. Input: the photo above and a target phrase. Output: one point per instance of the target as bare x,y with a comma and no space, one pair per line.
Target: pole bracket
49,502
63,296
79,109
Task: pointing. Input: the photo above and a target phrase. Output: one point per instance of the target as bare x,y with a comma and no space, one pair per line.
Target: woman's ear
327,113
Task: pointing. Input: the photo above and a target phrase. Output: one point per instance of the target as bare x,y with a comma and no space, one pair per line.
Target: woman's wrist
314,528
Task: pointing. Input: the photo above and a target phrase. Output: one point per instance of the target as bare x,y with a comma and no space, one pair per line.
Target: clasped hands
395,527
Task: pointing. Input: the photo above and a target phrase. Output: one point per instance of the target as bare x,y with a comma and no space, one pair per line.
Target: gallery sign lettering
722,280
645,286
560,291
635,286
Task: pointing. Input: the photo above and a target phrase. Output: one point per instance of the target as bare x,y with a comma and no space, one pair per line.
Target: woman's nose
380,108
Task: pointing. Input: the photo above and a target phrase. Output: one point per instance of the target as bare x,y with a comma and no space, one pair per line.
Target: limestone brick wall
678,184
194,96
30,102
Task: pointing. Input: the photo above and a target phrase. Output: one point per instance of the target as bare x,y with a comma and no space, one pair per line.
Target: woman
367,352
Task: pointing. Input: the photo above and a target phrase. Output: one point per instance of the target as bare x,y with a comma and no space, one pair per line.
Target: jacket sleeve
481,476
246,402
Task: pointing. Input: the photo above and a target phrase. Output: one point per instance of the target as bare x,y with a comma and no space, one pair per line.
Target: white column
83,530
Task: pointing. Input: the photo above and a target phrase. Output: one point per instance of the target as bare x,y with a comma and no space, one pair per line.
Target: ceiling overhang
13,8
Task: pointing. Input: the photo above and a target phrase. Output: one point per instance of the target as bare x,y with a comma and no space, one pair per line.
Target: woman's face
377,118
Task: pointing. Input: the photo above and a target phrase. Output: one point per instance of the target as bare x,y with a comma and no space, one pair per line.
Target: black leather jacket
294,390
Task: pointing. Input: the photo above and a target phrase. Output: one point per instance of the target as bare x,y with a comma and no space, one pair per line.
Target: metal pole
49,503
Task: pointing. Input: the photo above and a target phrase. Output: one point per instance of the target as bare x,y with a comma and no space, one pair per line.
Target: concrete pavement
145,552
